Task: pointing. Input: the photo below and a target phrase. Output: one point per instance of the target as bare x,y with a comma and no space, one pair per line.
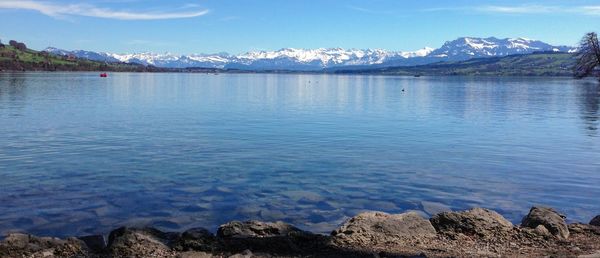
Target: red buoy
103,75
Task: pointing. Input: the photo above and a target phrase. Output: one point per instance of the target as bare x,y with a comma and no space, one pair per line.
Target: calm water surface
81,154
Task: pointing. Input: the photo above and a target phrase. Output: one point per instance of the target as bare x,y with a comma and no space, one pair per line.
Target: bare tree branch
588,56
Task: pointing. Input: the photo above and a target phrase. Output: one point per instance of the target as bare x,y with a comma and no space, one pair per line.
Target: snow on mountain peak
467,47
418,53
316,59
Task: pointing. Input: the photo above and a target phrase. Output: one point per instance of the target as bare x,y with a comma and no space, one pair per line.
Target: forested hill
17,57
536,64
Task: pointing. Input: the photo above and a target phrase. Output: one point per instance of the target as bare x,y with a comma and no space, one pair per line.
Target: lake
80,154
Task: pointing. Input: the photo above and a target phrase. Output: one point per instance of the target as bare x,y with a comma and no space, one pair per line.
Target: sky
237,26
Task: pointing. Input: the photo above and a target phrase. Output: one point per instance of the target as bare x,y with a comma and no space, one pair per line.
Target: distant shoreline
292,73
537,64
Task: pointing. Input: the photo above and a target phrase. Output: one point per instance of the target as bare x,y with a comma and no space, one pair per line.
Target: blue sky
235,26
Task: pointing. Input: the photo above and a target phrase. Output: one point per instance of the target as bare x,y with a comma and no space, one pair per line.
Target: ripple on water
200,150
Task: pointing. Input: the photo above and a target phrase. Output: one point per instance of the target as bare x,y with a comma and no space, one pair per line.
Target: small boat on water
103,75
417,75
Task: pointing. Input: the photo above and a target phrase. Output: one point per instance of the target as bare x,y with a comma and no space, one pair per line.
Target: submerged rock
433,208
140,242
549,218
477,221
23,245
379,227
595,221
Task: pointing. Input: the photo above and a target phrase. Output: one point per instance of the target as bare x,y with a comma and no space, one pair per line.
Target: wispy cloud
58,10
366,10
524,9
360,9
591,10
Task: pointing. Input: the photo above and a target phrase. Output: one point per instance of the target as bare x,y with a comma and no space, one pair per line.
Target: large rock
475,222
141,242
549,218
196,239
278,237
22,245
379,227
595,221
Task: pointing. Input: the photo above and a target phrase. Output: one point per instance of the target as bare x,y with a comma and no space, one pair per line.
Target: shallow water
80,154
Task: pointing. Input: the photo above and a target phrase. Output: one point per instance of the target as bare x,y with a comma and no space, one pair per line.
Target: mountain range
461,49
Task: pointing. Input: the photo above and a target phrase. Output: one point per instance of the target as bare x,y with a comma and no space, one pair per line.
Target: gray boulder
475,222
379,227
595,221
549,218
23,245
141,242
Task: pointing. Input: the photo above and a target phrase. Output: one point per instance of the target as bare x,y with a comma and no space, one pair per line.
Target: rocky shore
474,233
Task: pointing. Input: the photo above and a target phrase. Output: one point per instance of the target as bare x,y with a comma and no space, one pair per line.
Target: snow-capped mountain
174,61
102,57
467,48
287,58
316,59
321,58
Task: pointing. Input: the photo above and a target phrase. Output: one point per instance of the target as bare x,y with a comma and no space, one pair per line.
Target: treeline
536,64
17,57
14,64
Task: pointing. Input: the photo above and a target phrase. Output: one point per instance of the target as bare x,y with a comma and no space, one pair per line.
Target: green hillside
13,59
536,64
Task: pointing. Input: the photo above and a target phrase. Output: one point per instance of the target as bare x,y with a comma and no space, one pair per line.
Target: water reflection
12,92
589,101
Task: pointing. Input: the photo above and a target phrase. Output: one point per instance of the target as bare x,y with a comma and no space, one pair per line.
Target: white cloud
57,10
524,9
591,10
366,10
